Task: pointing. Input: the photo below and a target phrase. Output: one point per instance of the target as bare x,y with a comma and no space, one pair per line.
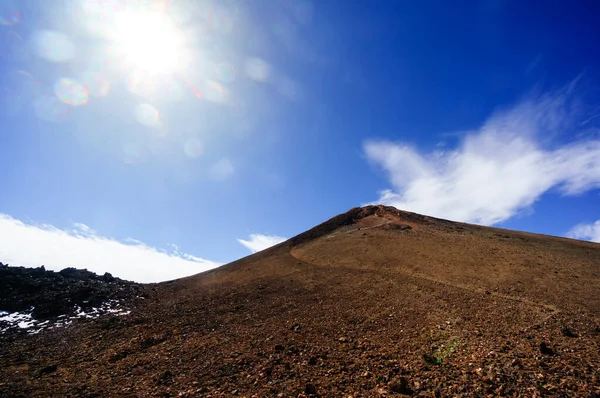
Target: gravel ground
374,303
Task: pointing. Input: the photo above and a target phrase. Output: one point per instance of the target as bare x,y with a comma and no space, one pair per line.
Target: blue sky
157,139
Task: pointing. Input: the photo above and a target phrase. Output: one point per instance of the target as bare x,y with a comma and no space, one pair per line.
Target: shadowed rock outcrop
48,294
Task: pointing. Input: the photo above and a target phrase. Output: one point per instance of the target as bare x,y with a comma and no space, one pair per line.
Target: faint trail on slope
348,231
554,310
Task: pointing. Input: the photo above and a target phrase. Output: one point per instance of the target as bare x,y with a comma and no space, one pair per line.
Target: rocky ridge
35,296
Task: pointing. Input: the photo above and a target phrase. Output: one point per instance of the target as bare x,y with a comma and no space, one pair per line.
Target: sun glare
149,42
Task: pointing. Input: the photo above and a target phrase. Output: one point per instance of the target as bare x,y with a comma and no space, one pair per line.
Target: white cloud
34,245
258,242
586,232
497,170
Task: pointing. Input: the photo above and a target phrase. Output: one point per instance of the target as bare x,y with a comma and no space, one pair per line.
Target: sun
148,42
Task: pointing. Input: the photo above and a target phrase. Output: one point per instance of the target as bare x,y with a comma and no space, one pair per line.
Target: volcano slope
374,302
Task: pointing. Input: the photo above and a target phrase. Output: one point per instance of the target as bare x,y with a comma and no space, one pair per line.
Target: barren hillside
374,302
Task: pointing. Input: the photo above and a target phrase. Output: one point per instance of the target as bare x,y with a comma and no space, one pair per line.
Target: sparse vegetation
438,356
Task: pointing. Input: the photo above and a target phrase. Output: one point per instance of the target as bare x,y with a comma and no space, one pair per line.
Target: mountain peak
367,216
373,302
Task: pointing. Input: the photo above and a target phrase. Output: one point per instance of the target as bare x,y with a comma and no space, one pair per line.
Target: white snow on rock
24,320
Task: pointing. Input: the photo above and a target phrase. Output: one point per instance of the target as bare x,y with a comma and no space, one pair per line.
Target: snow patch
24,320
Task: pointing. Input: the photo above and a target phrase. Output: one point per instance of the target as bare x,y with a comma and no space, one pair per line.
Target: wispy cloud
497,170
586,232
258,242
34,245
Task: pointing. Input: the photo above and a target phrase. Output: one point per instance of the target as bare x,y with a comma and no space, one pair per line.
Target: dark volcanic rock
544,349
49,294
310,389
568,333
400,386
48,369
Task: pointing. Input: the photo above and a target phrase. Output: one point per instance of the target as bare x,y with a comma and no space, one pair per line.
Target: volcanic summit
375,302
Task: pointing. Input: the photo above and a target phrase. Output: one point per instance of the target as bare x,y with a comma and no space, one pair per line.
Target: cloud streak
258,242
35,245
498,170
584,231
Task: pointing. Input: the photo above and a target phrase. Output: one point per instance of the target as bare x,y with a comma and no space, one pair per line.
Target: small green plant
438,356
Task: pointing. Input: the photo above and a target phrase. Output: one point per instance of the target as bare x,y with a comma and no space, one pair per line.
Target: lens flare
10,14
195,90
101,9
98,15
53,46
70,92
215,92
10,18
147,115
133,82
97,85
163,87
225,73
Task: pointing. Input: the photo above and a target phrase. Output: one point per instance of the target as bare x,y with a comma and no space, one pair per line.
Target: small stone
310,389
400,385
544,349
48,369
568,333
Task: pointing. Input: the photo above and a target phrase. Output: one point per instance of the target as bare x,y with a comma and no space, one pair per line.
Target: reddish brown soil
375,302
